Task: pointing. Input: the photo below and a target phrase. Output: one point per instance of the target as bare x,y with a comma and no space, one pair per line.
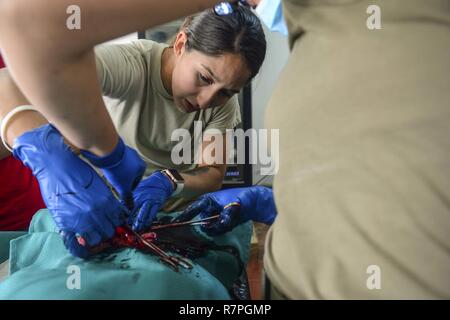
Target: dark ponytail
239,32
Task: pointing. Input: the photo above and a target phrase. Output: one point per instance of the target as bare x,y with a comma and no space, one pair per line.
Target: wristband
8,118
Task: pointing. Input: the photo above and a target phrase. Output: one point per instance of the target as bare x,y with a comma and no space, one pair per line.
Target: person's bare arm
206,177
55,67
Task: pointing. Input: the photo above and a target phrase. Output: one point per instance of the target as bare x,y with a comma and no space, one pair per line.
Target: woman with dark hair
150,90
153,89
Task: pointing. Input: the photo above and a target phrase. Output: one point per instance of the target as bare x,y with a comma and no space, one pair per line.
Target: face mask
270,12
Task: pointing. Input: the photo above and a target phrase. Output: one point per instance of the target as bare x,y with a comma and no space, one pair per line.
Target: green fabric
39,270
5,238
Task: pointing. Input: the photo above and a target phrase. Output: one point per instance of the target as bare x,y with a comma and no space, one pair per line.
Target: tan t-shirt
363,189
142,110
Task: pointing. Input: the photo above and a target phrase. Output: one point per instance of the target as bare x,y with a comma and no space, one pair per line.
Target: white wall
263,85
125,39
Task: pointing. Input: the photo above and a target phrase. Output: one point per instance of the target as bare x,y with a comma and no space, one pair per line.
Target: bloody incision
175,243
159,239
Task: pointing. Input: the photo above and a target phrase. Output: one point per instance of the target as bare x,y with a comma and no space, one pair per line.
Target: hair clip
226,8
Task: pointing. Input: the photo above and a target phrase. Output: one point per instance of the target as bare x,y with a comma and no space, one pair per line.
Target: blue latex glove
123,168
149,196
235,206
80,202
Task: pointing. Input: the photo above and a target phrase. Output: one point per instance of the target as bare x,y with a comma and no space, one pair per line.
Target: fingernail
81,241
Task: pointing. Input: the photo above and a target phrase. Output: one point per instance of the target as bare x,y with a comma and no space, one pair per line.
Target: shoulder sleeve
225,117
121,68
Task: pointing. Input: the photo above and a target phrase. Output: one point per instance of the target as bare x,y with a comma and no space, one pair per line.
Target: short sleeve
226,117
121,68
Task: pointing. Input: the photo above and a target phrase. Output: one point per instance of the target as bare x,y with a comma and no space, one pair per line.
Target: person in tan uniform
363,190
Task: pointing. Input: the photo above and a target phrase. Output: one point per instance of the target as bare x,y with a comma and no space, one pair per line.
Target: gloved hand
79,201
149,196
235,206
123,168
